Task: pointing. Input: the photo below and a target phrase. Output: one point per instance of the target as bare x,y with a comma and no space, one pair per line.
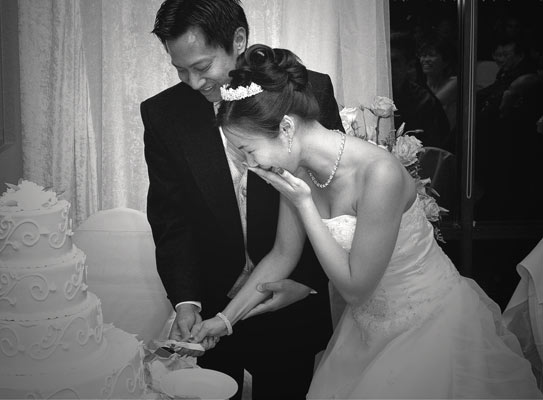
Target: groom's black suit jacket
194,216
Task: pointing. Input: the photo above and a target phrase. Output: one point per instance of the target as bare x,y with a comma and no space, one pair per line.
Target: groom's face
203,67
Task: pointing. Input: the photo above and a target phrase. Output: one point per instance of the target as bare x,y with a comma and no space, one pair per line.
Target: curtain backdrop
58,139
347,39
134,67
86,65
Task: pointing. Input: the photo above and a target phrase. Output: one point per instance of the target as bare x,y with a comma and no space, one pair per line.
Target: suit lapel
204,152
262,212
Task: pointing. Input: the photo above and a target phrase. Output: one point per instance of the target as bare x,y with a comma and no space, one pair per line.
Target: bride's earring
287,128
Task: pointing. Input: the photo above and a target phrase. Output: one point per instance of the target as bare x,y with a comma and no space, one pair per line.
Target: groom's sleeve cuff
196,303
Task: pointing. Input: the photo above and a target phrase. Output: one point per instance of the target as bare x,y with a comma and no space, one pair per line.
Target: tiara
241,92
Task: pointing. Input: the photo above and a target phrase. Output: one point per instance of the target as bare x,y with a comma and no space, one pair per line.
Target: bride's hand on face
293,188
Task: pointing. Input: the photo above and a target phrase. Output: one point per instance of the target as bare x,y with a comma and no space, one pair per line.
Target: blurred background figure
510,56
438,59
512,61
446,28
417,106
514,153
512,26
523,96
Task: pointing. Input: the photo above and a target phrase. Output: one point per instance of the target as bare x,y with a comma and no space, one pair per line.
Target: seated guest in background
438,61
512,60
417,106
520,109
523,98
515,154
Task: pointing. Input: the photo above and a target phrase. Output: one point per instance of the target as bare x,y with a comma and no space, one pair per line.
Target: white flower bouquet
405,147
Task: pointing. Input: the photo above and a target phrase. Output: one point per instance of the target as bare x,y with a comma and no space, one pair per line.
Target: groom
212,220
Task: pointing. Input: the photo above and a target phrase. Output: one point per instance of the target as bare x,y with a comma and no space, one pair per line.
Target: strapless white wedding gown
426,332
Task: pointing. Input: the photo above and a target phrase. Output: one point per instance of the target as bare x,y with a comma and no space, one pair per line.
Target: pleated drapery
58,138
86,65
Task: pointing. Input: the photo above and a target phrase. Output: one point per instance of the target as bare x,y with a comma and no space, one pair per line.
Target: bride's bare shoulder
384,176
372,160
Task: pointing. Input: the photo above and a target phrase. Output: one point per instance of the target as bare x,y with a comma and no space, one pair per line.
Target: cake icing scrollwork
58,238
8,227
39,288
9,342
76,282
135,380
7,283
55,338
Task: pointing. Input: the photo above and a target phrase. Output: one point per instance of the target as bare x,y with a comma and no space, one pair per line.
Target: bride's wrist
226,320
306,207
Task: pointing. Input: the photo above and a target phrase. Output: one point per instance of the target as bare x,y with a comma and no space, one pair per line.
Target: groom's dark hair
218,20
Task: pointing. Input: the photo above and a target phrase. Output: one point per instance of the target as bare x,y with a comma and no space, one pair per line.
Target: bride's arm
276,265
379,211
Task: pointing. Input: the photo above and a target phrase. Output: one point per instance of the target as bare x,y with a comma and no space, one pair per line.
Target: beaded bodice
418,275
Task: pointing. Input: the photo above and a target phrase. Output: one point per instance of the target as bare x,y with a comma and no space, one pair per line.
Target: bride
413,327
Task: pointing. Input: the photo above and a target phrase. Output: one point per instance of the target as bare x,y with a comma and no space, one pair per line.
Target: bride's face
260,150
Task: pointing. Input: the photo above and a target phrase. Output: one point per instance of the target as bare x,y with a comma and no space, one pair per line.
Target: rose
431,208
421,185
382,107
406,149
348,120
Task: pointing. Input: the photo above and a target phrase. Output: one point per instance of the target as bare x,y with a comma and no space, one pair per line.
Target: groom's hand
284,293
187,315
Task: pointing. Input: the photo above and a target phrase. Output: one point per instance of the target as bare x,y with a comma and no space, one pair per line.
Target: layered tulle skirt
460,349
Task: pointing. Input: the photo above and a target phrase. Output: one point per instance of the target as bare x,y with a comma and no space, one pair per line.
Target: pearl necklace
336,164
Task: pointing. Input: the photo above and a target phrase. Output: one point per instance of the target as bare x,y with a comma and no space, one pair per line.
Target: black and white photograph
271,199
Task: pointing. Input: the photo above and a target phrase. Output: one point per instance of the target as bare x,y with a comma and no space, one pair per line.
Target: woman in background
438,62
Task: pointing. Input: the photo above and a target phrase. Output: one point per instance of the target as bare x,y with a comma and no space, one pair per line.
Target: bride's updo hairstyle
283,79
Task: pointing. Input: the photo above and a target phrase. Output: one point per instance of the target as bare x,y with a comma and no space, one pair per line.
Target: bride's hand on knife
209,342
212,327
188,315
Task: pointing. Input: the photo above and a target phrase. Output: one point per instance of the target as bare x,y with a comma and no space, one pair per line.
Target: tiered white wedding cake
53,342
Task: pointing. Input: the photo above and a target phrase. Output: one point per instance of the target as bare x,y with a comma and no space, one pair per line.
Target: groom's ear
240,41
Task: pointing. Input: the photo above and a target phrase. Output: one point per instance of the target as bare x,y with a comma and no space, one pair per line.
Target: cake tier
114,374
45,340
29,292
35,237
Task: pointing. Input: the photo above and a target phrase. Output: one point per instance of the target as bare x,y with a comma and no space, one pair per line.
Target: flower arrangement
27,195
405,147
